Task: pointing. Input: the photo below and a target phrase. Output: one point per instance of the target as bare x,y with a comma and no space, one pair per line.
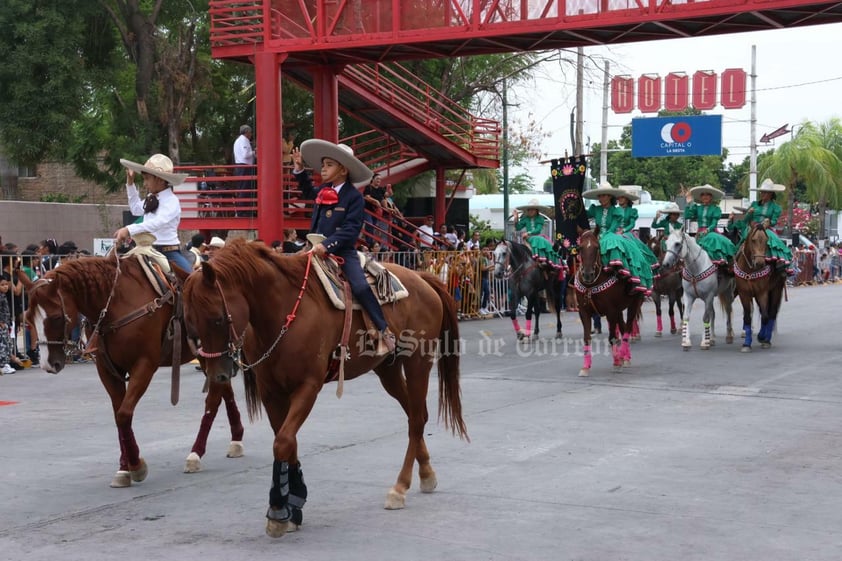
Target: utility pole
603,149
578,148
752,174
505,158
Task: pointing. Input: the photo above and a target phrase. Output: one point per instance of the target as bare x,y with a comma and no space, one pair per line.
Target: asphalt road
699,455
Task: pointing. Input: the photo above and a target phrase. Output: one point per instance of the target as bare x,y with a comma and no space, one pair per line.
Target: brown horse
250,303
758,281
603,292
667,283
134,338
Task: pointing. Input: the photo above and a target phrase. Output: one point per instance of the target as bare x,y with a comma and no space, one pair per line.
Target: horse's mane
85,278
240,261
520,252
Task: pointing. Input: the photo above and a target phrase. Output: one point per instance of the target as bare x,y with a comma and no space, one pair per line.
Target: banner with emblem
568,175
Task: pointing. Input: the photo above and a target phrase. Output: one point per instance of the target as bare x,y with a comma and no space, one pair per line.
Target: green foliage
478,225
61,198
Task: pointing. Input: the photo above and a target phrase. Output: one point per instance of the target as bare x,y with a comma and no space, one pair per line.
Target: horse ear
180,273
208,273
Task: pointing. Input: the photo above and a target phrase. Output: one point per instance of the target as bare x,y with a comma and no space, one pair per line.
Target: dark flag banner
568,181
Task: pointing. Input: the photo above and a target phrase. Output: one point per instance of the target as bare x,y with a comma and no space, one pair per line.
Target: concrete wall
24,223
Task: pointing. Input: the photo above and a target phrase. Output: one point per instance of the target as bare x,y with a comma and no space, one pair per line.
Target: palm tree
805,158
831,134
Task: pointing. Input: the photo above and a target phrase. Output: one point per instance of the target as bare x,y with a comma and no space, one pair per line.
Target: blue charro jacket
340,223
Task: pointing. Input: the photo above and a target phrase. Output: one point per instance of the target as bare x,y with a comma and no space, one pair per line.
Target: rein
235,341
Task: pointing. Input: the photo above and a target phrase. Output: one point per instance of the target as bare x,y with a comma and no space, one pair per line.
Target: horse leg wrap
672,322
279,493
234,420
625,348
588,358
516,325
747,341
707,331
528,327
297,494
660,324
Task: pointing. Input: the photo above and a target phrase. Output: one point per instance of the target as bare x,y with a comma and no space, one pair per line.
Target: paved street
691,456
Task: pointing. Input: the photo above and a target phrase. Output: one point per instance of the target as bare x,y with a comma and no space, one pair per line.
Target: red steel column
267,83
439,210
326,103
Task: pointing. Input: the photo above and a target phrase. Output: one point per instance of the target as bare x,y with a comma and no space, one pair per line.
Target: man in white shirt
426,233
244,159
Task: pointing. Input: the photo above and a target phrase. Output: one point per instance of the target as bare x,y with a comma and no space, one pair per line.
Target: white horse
700,279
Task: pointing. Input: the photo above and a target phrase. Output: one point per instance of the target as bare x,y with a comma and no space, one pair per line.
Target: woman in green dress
705,211
767,212
671,220
617,251
628,223
532,223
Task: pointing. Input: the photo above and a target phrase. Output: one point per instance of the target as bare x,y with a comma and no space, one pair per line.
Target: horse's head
216,317
753,248
590,263
676,248
501,259
654,245
52,314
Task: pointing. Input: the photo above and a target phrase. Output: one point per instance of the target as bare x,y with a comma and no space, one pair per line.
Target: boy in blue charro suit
338,215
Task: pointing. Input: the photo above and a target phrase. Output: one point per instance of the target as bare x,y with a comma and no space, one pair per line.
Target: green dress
542,249
628,222
739,225
720,249
777,250
666,225
618,251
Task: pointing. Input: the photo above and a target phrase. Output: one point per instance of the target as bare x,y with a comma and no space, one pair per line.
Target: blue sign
697,135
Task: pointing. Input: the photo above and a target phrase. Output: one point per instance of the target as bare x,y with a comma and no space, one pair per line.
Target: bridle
744,250
66,342
595,268
236,341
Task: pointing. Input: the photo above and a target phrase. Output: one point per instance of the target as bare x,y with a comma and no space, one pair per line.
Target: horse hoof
429,484
626,363
729,339
520,335
635,338
235,449
121,479
394,500
745,349
584,373
673,331
712,342
276,529
193,464
765,345
685,348
659,334
617,368
559,336
704,347
140,473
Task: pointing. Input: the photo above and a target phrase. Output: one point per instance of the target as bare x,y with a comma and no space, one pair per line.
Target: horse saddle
385,285
155,266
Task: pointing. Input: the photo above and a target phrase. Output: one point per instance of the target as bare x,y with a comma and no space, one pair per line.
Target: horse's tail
450,394
253,403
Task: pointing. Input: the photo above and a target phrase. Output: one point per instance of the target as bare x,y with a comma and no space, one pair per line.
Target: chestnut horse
134,338
667,283
251,304
603,292
758,281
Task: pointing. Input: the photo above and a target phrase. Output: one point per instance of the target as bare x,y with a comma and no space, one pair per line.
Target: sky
799,77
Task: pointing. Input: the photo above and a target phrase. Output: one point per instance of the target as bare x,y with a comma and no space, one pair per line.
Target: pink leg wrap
528,327
661,324
672,323
516,325
616,352
588,357
635,328
625,348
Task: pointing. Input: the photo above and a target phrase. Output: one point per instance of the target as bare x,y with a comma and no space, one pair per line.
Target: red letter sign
622,94
733,88
677,88
704,89
649,93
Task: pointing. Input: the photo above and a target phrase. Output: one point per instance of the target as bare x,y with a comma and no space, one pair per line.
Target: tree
804,159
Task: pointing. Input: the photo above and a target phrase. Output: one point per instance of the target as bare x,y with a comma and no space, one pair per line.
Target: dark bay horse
667,283
526,280
134,339
603,292
251,304
758,281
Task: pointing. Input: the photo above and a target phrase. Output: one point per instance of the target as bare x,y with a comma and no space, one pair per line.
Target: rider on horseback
671,220
625,203
766,212
617,251
705,211
532,222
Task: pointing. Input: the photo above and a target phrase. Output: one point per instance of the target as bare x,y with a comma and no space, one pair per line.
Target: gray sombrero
768,186
697,192
605,188
313,150
159,166
670,208
632,197
536,204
